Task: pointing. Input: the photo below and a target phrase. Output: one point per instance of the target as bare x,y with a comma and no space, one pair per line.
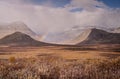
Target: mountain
6,29
20,39
98,36
70,36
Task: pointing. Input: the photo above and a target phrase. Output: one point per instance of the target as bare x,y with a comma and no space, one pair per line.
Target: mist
48,19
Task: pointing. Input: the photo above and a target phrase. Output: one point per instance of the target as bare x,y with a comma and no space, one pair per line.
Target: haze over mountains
9,28
115,30
18,33
75,34
62,37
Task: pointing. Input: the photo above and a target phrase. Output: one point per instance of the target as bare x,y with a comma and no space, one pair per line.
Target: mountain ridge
20,39
9,28
98,36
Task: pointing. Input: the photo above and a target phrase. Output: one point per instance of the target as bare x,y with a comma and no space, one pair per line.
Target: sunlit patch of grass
12,59
57,68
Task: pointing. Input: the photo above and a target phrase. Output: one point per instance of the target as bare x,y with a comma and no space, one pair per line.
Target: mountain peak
20,39
95,32
18,33
95,29
15,27
98,36
17,37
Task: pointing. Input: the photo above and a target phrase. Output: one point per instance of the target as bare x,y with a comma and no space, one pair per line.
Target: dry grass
58,63
58,68
26,52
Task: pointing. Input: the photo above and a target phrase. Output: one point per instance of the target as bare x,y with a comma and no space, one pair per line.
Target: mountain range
75,34
18,34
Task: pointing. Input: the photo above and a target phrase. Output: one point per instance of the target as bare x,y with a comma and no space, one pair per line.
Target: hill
98,36
9,28
20,39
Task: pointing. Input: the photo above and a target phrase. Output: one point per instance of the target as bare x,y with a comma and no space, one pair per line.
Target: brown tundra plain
60,62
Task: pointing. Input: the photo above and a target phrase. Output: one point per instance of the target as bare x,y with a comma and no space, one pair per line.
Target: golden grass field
66,52
60,62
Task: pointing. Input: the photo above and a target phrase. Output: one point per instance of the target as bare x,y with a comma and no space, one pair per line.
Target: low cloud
45,18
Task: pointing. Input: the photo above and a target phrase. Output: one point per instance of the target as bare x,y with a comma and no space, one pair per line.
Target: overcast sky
58,15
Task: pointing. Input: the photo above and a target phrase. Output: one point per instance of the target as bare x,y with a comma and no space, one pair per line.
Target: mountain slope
6,29
20,39
81,37
97,36
69,36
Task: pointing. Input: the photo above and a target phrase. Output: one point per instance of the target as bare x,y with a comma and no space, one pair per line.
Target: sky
47,16
61,3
